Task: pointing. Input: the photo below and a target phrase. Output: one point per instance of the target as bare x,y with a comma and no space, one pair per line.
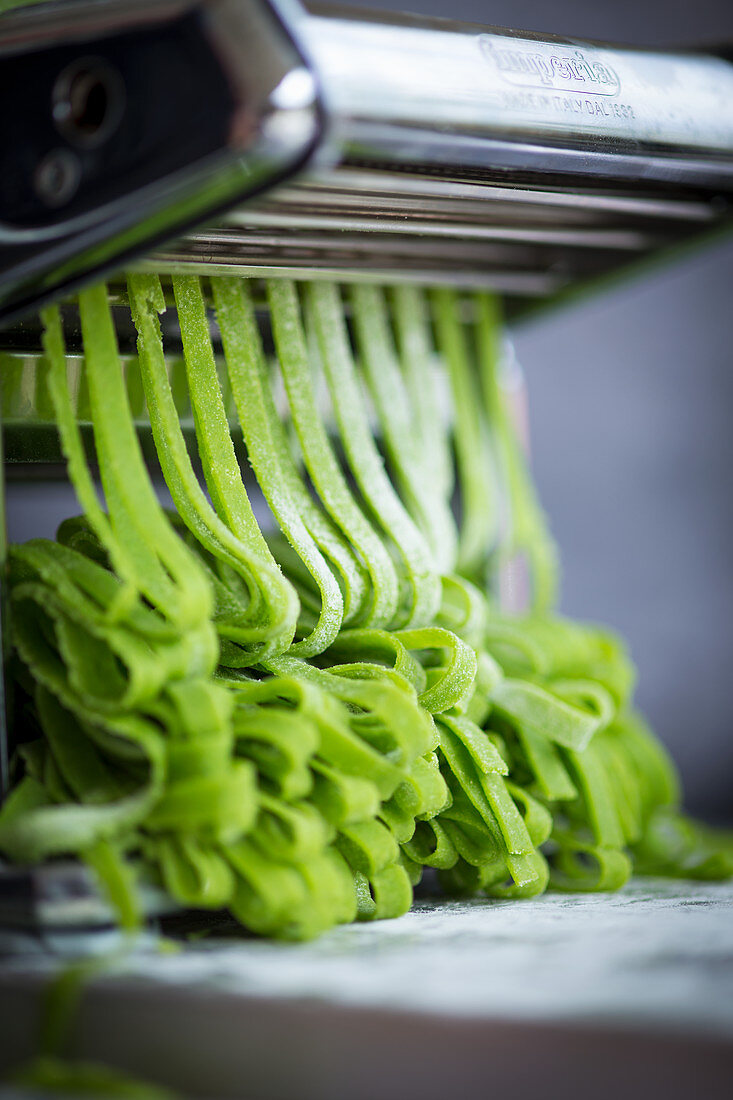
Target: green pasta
290,717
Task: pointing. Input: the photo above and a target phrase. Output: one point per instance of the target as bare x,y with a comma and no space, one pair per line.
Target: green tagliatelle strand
264,621
322,464
428,419
422,584
479,491
291,724
73,448
527,527
292,358
166,571
305,527
429,509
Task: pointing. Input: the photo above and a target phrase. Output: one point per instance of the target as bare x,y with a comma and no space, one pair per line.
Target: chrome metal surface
356,223
452,152
137,119
483,157
421,91
63,895
380,192
59,895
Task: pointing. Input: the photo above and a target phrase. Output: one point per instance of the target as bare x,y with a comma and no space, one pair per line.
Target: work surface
452,995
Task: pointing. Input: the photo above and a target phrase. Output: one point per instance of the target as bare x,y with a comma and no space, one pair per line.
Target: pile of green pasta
292,723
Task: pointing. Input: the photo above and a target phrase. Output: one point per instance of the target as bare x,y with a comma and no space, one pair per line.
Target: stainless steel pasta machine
324,142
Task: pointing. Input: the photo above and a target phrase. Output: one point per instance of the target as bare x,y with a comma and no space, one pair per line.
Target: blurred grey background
631,399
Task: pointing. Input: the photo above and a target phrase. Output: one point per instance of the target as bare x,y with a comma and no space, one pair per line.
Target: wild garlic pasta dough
292,720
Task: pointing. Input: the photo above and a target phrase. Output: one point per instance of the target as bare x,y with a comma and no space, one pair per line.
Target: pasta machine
263,137
372,146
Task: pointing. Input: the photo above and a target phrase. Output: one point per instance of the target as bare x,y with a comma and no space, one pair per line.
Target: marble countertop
650,965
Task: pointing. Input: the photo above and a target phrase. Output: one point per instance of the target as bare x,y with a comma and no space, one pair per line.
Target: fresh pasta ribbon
290,724
421,583
527,527
262,617
480,499
324,470
429,509
307,530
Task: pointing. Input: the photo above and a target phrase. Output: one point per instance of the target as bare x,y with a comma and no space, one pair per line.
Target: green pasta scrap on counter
290,722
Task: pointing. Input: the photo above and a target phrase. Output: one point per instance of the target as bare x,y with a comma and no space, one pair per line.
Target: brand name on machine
545,68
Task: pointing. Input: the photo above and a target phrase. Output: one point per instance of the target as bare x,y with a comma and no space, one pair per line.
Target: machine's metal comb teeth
368,224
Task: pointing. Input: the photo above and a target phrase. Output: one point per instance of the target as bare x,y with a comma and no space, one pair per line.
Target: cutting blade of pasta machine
485,157
434,151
